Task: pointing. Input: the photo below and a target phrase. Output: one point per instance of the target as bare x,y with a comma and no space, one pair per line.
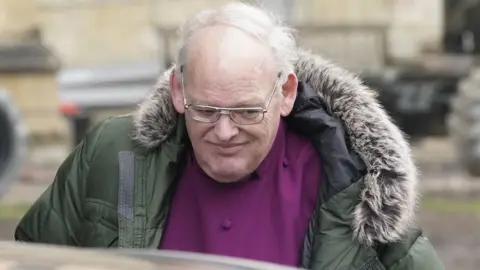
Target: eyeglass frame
227,111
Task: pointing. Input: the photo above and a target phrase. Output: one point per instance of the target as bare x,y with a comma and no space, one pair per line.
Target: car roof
29,256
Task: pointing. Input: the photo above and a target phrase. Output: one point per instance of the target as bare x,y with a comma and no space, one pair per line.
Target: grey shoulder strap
126,161
125,206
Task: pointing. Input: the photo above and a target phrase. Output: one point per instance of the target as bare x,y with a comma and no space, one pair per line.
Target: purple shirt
263,218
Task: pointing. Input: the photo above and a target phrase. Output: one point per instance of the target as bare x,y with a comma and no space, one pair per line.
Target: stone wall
17,18
93,32
108,32
36,96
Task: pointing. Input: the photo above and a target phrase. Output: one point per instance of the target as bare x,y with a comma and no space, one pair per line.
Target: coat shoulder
114,130
414,251
108,137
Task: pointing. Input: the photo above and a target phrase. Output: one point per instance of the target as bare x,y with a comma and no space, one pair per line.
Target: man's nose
225,128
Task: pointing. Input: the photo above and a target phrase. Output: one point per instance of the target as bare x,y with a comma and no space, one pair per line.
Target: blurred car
87,91
13,142
27,256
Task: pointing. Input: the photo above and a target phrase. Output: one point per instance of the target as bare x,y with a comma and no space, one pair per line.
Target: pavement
38,172
439,171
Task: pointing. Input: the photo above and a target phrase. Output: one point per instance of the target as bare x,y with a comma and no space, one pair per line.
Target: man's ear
289,92
177,92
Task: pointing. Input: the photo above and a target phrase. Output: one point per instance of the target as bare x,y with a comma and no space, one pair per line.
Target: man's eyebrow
248,104
239,104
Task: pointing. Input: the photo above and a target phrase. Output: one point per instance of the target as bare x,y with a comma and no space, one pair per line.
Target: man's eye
249,113
206,111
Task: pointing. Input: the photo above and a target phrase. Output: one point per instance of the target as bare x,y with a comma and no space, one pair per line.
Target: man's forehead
228,53
241,93
227,78
248,87
211,71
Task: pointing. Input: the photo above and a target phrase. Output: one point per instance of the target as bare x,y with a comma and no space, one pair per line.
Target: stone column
28,69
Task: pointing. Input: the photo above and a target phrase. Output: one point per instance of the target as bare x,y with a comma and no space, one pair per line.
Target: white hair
254,21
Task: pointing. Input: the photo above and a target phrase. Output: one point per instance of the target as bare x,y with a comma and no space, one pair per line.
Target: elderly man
248,147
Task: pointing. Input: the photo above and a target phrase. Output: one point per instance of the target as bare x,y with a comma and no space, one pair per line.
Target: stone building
97,32
28,69
92,33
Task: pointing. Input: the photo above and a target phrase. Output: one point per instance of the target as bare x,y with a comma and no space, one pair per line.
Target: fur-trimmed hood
388,200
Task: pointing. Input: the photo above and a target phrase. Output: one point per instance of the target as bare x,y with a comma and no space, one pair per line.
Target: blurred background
66,64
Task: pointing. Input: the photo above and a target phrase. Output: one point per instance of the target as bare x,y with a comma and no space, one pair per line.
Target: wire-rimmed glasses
241,116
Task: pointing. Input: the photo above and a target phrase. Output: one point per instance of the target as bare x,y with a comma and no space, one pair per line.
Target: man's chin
230,176
227,180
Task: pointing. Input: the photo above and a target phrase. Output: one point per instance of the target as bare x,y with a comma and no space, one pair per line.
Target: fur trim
388,200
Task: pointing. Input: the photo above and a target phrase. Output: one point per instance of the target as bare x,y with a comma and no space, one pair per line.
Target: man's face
224,149
227,78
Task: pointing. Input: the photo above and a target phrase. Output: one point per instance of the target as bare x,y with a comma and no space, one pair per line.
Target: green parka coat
114,189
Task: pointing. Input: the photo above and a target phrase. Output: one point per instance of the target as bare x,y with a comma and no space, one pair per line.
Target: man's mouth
229,149
229,145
